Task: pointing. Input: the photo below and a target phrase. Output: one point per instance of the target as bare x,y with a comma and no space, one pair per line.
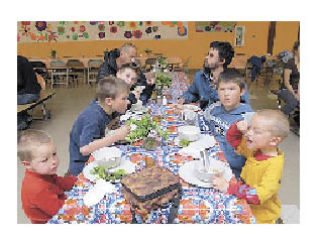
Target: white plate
126,165
205,141
187,173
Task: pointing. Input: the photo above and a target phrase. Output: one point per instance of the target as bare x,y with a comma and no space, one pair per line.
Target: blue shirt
202,89
90,125
219,123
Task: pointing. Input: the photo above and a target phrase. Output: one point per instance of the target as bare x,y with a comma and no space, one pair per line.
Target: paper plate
187,173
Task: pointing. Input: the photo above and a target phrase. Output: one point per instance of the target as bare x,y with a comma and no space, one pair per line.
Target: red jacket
43,195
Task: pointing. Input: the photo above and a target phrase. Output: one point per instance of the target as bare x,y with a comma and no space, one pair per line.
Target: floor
69,102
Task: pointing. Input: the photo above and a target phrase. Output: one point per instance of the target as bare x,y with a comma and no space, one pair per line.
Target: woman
290,94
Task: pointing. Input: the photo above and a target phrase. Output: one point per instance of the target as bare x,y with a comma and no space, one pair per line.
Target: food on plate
184,143
104,173
144,126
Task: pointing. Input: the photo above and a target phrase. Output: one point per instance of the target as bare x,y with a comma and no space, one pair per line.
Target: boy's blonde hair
28,140
231,75
280,125
110,87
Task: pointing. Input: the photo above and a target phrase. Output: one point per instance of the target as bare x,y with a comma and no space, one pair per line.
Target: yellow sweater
265,176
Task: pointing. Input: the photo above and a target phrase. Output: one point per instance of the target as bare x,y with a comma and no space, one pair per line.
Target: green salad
163,80
184,143
104,173
143,127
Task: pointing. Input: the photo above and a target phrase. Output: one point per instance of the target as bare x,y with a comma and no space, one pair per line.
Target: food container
190,133
108,156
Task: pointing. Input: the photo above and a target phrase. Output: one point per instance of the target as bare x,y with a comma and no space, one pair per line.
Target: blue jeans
290,101
27,98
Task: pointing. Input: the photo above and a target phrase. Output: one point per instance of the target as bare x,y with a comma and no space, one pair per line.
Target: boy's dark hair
225,51
28,140
232,75
296,45
110,87
132,66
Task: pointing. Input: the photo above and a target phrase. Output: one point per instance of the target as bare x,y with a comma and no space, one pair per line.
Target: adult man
203,88
115,58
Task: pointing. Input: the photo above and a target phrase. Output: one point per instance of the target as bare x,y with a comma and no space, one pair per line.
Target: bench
44,96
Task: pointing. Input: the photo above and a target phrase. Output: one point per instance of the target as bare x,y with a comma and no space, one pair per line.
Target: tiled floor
69,102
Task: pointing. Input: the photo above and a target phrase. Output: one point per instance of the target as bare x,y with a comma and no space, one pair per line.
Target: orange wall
256,37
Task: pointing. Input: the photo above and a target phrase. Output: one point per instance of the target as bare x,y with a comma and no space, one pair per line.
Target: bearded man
204,84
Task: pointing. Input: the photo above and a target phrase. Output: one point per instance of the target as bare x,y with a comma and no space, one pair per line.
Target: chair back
95,63
74,63
151,61
57,63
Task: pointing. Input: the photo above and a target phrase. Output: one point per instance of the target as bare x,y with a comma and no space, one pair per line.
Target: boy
262,172
128,73
42,191
88,132
231,87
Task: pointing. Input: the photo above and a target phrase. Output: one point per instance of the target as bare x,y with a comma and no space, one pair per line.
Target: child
231,87
42,191
128,73
88,132
262,172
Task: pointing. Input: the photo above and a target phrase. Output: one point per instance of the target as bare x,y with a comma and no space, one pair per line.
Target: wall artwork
239,36
60,31
215,26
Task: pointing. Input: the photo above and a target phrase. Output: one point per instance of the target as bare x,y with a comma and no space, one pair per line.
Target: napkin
99,190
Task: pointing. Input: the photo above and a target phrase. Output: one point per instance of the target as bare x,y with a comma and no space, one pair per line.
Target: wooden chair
59,73
76,68
93,68
174,63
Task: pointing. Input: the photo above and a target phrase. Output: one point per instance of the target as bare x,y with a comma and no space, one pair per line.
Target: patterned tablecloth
197,204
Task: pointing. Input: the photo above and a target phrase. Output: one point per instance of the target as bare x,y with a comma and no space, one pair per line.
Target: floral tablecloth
197,205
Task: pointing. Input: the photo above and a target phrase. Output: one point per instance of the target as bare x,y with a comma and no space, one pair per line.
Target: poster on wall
239,36
60,31
215,26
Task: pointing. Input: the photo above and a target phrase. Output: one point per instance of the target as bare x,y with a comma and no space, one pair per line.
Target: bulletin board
215,26
60,31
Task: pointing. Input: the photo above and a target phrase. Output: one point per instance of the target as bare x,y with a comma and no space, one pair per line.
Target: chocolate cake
150,188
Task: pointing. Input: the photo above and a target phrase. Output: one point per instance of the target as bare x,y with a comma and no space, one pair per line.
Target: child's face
120,103
45,160
258,134
229,95
128,75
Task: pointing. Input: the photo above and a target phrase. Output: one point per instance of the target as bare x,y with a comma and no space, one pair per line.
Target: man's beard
210,67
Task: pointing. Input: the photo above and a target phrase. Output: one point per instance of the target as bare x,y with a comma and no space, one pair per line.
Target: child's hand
122,132
150,78
220,183
181,101
242,126
136,93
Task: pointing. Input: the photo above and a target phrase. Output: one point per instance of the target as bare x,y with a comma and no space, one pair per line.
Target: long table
197,204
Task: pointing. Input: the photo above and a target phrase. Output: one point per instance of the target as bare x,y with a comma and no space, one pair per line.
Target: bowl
216,168
188,132
108,156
